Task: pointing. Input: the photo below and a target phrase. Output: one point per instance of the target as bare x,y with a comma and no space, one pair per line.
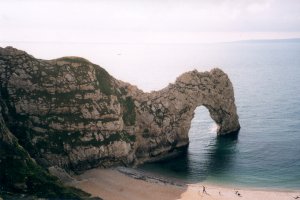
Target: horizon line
137,43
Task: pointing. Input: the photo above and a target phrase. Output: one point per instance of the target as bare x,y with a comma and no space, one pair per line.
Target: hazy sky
128,37
151,21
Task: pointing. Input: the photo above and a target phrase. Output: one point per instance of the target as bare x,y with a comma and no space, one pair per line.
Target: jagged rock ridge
71,113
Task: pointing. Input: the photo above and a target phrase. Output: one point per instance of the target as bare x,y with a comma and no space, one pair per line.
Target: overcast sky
128,37
151,21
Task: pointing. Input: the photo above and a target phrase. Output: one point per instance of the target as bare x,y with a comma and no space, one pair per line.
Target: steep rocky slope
20,175
71,113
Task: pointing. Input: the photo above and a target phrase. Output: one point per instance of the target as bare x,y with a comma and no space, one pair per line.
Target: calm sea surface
266,153
266,80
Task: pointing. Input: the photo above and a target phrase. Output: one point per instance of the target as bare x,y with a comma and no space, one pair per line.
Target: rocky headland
72,114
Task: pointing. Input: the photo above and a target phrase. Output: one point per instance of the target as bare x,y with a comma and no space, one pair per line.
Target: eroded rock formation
71,113
164,117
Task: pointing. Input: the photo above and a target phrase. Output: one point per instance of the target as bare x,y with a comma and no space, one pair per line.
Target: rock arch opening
202,125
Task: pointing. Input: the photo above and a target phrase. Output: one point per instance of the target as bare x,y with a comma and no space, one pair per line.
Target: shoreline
127,183
171,180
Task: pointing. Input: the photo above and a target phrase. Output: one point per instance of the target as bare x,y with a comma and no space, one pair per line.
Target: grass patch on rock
20,174
129,115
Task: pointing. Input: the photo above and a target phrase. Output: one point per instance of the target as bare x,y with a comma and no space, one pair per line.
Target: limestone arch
214,91
166,115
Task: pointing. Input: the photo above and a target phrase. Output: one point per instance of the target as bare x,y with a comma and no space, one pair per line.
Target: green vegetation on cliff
104,80
74,59
102,75
55,142
129,115
20,174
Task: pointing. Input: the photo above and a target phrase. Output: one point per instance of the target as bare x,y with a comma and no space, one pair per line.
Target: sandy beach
127,184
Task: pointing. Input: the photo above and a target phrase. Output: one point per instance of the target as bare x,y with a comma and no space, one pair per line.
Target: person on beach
237,193
204,190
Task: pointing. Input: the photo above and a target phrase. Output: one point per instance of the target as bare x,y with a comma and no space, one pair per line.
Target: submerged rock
71,113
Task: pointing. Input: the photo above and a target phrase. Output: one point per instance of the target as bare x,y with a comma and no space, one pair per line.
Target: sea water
266,153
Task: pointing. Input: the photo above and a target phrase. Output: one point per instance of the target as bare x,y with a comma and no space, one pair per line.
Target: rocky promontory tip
71,113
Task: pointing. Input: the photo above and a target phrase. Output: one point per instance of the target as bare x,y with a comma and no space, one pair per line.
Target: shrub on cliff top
104,80
129,115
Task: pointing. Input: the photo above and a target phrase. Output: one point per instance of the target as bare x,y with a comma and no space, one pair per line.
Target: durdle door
71,113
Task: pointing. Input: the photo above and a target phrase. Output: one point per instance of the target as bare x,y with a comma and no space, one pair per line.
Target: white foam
213,128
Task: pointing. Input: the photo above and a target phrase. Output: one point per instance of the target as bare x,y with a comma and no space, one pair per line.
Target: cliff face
71,113
20,174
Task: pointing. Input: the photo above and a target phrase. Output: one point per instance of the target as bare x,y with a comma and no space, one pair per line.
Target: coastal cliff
22,177
73,114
